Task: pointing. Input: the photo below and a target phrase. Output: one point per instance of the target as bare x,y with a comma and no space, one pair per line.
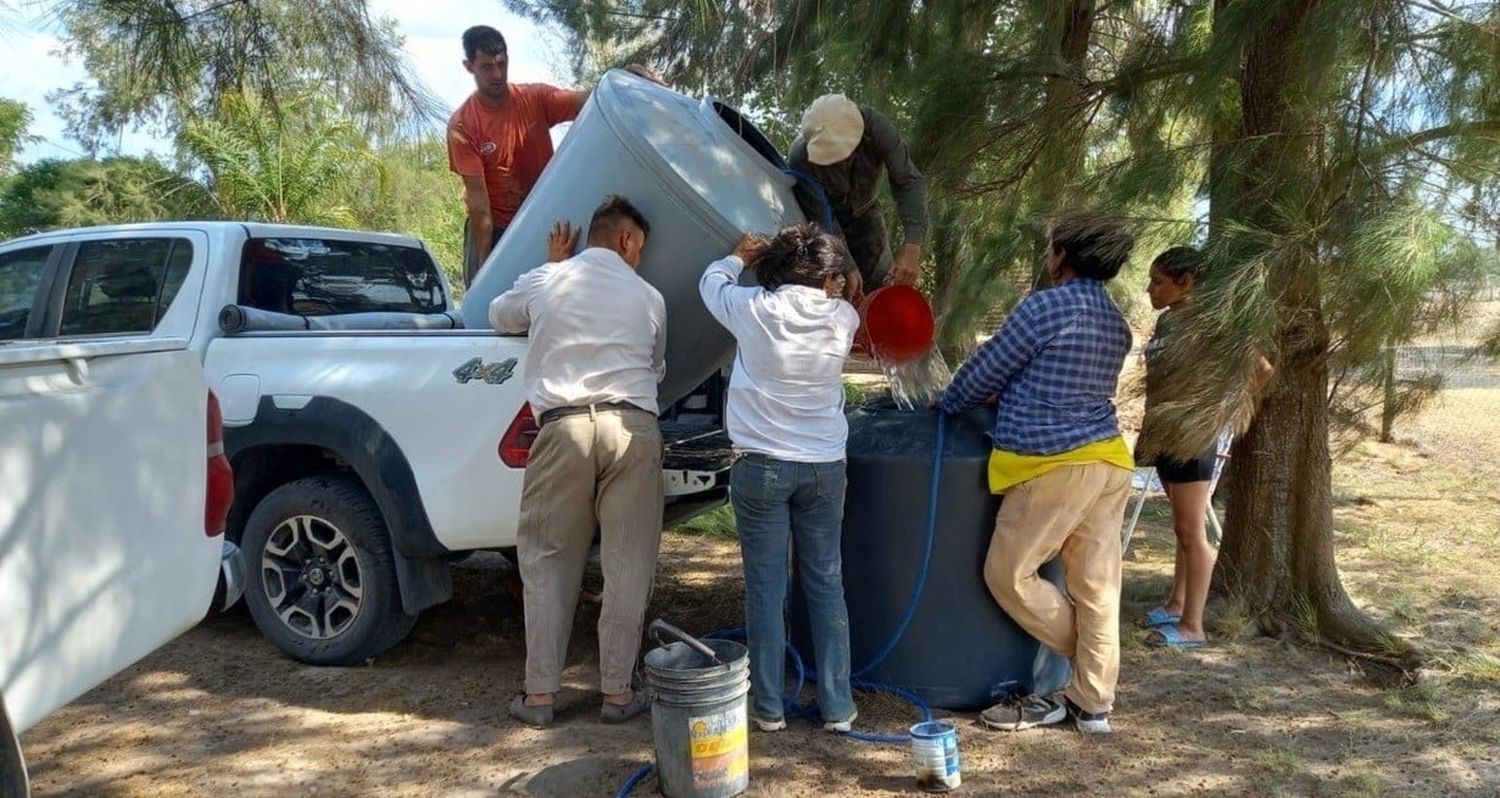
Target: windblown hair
482,39
1093,244
1179,263
801,254
611,213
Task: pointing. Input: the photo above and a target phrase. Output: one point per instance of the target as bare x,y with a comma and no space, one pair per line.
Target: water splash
916,383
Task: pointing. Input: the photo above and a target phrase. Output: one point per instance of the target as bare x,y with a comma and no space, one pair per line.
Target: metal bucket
934,751
699,718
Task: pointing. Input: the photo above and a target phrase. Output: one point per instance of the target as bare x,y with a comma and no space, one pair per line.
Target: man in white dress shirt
598,342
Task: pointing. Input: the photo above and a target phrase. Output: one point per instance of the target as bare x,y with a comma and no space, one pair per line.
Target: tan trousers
1075,511
599,470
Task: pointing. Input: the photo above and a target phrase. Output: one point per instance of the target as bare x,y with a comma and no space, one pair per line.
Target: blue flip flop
1158,616
1170,636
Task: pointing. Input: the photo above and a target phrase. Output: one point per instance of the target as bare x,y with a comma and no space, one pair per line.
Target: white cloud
31,68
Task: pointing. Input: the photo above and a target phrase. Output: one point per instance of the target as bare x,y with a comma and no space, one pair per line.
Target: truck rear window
121,286
323,277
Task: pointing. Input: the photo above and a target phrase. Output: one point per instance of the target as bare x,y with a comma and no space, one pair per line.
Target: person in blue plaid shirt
1060,461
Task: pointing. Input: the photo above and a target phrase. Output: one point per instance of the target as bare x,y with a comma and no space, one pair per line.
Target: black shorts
1177,472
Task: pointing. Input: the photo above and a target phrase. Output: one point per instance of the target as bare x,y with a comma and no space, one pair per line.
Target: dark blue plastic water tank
960,651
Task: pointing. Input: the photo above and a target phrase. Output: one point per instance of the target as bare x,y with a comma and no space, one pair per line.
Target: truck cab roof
223,228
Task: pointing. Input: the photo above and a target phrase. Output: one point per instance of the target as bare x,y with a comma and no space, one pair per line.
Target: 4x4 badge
491,373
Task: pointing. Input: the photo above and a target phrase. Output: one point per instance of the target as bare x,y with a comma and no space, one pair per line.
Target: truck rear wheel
321,576
13,782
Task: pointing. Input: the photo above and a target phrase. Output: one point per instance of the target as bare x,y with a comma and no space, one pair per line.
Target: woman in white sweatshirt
786,420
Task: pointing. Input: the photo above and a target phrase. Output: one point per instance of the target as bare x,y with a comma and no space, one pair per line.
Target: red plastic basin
895,324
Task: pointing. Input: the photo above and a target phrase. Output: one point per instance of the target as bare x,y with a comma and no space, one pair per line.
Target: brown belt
559,412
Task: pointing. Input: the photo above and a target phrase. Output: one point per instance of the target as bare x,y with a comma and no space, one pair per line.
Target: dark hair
482,39
801,254
1180,263
1094,246
614,210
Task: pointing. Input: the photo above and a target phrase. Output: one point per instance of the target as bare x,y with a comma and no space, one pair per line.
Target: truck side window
21,274
124,285
325,277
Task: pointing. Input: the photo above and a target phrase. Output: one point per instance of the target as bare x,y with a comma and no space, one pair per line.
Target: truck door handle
78,370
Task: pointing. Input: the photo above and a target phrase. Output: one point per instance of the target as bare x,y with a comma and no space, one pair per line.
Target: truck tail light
220,475
515,447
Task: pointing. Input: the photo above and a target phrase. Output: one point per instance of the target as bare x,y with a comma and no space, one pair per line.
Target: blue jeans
776,504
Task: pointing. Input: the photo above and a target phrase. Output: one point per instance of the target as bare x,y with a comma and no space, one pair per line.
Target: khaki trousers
597,470
1075,511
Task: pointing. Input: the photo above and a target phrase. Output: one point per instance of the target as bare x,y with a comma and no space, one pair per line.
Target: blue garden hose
804,673
634,781
818,191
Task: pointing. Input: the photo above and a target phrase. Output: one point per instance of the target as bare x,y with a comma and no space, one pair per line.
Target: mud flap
424,582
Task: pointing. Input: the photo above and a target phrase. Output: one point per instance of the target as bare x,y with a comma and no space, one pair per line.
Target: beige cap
832,128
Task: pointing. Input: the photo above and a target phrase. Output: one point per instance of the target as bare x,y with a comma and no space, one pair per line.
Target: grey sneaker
620,713
1023,713
1088,722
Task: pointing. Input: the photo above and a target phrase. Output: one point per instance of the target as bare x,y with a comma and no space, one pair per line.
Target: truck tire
13,782
320,573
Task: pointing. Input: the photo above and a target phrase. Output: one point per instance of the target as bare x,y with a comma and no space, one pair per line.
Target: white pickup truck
373,442
114,487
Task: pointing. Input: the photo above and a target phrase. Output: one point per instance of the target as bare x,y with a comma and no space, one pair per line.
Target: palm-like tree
296,165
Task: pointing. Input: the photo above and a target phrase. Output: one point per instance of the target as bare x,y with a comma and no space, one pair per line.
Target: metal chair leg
1135,517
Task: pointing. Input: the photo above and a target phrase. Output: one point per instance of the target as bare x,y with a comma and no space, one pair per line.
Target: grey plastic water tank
700,173
961,650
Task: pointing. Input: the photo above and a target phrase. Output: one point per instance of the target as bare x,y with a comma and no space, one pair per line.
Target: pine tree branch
1481,127
1413,142
1448,13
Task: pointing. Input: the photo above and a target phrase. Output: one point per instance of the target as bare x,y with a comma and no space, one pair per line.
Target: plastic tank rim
710,114
609,104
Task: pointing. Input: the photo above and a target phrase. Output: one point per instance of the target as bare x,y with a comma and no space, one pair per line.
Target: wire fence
1459,366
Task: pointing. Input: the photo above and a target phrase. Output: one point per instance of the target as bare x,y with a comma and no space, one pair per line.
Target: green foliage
166,63
52,193
15,117
300,166
1016,109
854,395
424,200
1401,274
717,523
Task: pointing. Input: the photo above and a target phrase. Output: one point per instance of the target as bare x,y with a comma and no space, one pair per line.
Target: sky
31,68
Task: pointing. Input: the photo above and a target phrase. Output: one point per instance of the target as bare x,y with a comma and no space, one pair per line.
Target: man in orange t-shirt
500,139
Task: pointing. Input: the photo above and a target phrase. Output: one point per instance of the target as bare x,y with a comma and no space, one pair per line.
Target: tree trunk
1223,127
1389,405
1277,554
1063,156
